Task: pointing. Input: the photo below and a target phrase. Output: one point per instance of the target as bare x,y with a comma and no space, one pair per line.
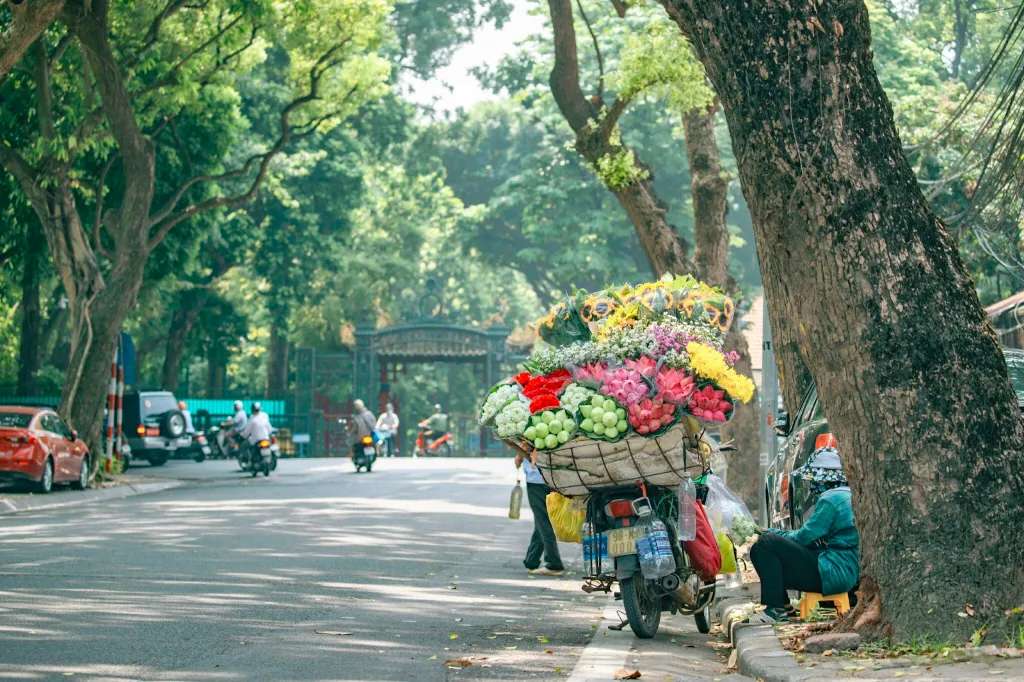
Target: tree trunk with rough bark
709,189
866,280
594,128
28,21
29,351
189,307
277,362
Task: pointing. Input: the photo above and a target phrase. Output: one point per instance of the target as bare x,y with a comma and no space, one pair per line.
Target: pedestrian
387,427
543,543
821,556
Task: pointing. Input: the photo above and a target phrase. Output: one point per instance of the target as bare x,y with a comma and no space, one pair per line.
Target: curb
34,503
760,655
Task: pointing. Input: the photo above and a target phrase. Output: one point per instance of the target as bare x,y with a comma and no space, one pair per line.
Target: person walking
387,427
543,543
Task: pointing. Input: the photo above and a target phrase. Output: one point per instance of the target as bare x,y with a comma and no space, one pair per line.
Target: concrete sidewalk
61,497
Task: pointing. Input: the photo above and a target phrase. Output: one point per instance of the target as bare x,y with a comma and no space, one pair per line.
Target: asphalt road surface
316,573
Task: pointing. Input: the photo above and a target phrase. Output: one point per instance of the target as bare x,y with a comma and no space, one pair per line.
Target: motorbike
433,444
364,454
616,519
224,443
259,457
199,447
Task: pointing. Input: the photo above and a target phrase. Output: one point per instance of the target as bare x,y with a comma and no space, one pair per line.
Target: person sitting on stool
823,555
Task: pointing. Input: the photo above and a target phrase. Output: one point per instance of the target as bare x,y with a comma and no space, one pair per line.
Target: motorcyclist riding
437,423
257,428
363,424
387,427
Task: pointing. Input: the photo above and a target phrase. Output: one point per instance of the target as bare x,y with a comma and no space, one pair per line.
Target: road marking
606,652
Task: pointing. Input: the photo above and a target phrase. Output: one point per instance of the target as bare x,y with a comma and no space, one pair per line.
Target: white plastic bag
727,512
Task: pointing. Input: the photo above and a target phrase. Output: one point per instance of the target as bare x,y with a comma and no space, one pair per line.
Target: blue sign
127,358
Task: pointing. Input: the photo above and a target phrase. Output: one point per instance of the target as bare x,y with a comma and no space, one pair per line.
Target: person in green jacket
821,556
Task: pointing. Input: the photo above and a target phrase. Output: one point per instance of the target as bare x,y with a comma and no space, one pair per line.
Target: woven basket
585,464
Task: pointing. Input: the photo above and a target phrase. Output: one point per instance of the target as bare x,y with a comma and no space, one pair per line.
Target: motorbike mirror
782,423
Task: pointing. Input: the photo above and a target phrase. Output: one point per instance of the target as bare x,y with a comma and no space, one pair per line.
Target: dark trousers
543,541
783,564
389,446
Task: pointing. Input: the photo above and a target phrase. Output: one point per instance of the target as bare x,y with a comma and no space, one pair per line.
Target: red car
37,447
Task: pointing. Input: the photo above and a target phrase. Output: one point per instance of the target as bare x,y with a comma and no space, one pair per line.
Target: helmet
437,407
359,405
238,405
256,407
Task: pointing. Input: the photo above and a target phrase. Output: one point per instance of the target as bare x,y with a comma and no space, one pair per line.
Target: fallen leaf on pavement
542,639
969,608
732,659
623,674
453,635
549,651
336,633
458,663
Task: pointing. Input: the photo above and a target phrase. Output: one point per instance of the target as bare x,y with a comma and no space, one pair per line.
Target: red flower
523,378
545,401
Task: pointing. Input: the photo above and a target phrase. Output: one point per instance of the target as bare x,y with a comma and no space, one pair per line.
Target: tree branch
136,151
565,74
167,78
597,49
97,222
30,19
165,219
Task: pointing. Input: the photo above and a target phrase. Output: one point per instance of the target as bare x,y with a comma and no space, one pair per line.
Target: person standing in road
543,542
387,426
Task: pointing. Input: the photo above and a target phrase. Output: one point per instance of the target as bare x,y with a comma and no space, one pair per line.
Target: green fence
219,407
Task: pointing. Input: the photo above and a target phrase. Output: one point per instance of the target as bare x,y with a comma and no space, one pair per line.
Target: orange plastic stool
810,600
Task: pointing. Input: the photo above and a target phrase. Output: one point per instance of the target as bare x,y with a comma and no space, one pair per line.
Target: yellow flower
710,364
622,317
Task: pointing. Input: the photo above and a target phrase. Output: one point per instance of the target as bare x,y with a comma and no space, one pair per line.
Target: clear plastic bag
727,512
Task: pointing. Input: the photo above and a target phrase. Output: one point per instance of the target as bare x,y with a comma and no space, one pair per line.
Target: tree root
866,618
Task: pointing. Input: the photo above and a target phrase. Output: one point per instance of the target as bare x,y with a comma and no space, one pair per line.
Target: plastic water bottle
687,496
515,502
595,545
648,560
662,546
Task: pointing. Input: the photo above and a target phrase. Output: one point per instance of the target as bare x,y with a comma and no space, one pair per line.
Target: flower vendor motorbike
432,444
259,457
364,454
630,536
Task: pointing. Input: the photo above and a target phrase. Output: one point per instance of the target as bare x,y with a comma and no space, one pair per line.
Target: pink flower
710,405
675,385
643,365
625,385
592,374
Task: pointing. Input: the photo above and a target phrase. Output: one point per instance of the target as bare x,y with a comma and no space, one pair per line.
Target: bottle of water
587,535
662,546
648,560
687,496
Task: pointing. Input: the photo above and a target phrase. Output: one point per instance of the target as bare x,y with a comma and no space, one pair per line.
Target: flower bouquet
633,374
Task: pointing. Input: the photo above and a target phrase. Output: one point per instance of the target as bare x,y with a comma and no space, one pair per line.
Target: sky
454,86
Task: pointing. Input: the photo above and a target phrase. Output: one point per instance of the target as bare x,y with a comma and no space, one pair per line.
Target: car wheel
157,460
83,475
45,484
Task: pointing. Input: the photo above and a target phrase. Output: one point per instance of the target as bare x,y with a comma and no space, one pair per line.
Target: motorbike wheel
266,470
447,449
369,467
703,620
273,462
643,609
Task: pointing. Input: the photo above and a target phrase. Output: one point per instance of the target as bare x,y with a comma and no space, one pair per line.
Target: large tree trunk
709,188
595,140
865,279
186,314
29,351
277,362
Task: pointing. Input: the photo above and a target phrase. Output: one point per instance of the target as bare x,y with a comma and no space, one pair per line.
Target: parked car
154,426
38,448
788,499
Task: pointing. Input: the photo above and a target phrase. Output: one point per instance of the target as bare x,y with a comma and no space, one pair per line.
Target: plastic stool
810,600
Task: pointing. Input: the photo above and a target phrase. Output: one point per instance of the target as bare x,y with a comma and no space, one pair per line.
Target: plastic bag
515,502
726,511
728,553
567,515
703,550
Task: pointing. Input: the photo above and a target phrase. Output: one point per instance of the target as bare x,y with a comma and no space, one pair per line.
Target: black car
788,499
154,426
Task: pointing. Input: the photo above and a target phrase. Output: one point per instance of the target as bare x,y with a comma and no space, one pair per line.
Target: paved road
314,574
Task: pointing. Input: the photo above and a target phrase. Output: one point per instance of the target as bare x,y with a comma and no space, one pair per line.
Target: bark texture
277,362
29,20
190,306
594,124
709,188
865,280
29,346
